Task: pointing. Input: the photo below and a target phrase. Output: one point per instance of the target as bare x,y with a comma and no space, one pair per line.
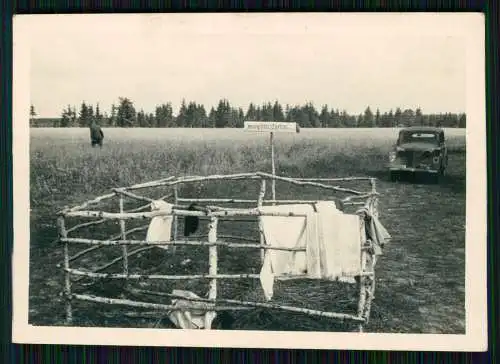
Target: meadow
420,277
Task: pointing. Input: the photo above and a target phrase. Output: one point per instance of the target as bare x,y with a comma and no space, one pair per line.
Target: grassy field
420,277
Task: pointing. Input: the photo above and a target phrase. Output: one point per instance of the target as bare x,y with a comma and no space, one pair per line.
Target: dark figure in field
96,135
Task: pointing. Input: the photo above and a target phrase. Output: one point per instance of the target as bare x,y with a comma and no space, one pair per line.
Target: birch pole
176,220
124,237
362,289
273,167
262,194
212,270
271,127
67,279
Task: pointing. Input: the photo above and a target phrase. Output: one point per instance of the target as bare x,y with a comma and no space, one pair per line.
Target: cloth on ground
160,226
331,238
187,317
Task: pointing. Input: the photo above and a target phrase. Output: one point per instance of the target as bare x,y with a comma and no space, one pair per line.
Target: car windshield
418,136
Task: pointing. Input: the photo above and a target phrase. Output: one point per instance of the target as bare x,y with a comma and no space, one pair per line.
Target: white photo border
469,25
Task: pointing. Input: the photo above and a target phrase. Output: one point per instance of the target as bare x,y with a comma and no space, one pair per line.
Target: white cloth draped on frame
376,231
287,232
160,226
339,239
332,242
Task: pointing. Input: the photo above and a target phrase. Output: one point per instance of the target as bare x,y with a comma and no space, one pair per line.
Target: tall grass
64,166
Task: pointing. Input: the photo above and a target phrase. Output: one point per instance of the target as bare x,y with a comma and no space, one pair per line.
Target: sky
348,62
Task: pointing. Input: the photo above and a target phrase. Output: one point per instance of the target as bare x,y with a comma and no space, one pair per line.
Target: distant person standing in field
96,135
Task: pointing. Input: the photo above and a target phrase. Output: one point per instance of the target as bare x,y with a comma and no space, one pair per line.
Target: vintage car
419,149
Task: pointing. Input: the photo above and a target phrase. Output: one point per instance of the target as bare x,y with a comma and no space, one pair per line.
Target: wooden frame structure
366,202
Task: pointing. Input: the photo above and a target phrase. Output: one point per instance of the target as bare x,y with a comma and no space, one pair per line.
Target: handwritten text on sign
270,126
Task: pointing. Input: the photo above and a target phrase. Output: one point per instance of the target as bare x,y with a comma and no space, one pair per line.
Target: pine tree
377,118
32,114
223,114
324,117
202,116
98,115
267,112
212,118
251,113
141,119
335,121
66,117
126,114
84,116
240,118
278,112
180,120
397,118
112,117
164,117
74,117
419,119
462,121
367,120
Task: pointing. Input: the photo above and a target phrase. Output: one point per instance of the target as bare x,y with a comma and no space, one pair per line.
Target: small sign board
271,126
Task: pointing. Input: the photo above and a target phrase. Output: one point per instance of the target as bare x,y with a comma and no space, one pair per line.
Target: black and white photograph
304,180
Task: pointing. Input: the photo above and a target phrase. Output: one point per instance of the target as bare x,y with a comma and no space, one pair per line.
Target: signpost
271,127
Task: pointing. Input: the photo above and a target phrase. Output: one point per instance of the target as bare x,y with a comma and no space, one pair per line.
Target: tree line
193,115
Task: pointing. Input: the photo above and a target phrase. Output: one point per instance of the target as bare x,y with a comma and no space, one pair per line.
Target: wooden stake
273,168
362,289
370,290
374,211
373,184
124,237
262,194
212,270
67,278
176,219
